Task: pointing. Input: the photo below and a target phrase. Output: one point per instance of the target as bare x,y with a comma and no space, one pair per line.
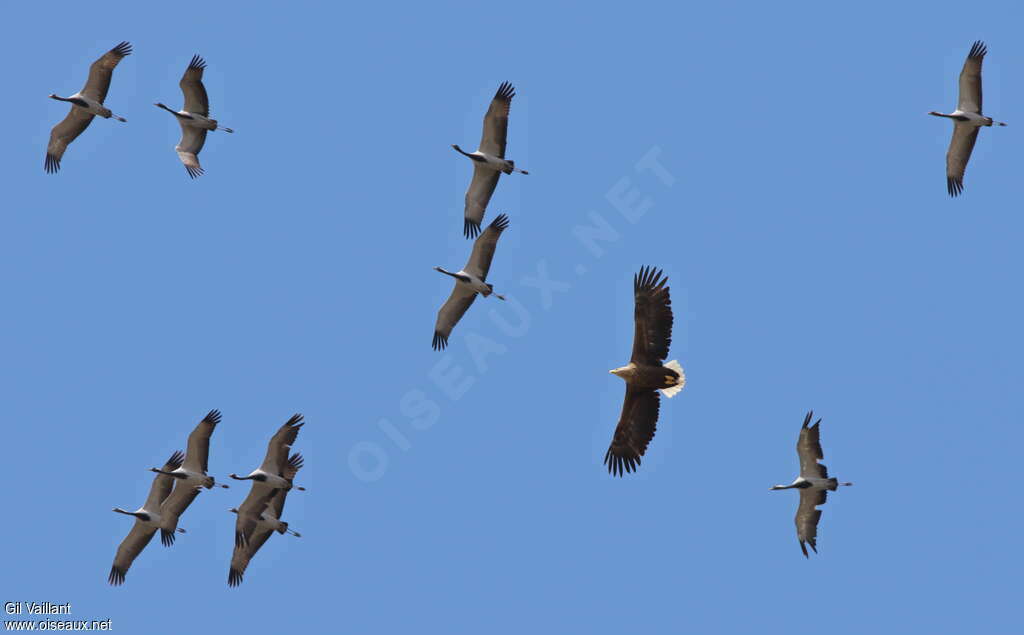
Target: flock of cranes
183,476
87,104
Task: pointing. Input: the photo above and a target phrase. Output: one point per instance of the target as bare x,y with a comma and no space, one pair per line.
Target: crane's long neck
448,273
126,512
941,114
173,112
461,151
242,478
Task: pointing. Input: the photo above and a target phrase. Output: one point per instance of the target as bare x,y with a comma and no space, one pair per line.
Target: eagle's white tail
672,390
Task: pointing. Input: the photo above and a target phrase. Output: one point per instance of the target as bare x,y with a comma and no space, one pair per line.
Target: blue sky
798,207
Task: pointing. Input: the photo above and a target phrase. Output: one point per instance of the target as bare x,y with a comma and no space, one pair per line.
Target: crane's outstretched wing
970,79
477,197
192,141
808,448
492,141
451,312
63,134
197,454
172,509
191,85
128,550
807,517
483,248
959,153
277,449
102,70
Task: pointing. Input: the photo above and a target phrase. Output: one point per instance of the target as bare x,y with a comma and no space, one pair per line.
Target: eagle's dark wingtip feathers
649,278
617,465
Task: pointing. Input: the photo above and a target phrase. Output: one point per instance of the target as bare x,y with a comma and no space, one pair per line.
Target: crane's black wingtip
506,91
234,577
194,173
166,537
176,459
440,342
212,417
500,222
52,164
123,49
470,228
116,577
954,186
197,63
978,49
296,461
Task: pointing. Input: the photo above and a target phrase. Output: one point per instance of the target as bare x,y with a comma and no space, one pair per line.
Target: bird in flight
469,282
85,105
645,374
194,117
967,120
489,160
813,483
